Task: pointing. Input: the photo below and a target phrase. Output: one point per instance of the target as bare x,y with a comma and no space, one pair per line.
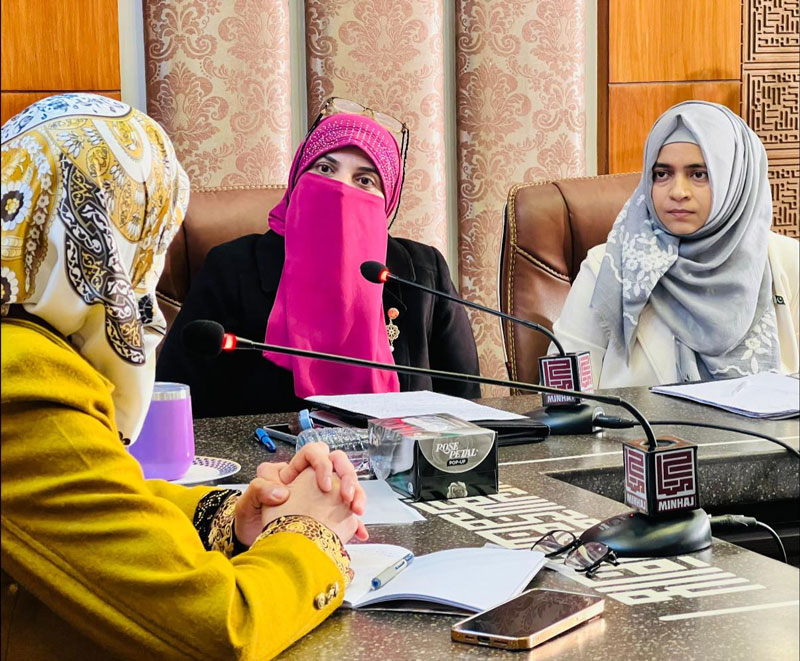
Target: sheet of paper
383,504
765,395
238,487
423,402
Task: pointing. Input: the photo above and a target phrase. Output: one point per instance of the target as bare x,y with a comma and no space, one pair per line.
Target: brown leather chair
549,228
213,217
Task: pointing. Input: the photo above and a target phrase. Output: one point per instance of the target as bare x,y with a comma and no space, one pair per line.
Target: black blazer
237,287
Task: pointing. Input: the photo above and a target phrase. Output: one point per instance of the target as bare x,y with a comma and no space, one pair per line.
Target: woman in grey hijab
691,284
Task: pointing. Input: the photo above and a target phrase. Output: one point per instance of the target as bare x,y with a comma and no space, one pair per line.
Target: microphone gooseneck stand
243,343
378,274
561,420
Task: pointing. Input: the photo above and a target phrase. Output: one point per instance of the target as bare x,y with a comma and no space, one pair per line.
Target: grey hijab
712,288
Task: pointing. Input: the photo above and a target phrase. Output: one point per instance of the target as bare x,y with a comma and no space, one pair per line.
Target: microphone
660,475
563,413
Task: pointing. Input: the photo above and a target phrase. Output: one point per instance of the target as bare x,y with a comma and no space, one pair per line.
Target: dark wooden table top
724,602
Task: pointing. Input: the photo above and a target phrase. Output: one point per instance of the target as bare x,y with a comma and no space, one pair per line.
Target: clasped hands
316,483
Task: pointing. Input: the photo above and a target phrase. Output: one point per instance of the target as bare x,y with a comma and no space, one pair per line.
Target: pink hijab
323,303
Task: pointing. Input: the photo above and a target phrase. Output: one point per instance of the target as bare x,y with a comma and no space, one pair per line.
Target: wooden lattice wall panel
784,180
770,30
771,98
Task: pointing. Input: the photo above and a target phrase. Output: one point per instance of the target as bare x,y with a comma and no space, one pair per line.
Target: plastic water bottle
352,441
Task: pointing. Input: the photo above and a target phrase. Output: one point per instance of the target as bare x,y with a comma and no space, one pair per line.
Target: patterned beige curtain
388,54
219,81
520,105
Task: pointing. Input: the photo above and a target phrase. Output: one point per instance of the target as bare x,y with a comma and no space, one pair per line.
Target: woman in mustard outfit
98,562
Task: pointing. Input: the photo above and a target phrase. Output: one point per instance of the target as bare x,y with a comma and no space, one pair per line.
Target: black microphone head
374,272
203,338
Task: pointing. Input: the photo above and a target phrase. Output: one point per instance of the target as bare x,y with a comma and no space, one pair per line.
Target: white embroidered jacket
653,356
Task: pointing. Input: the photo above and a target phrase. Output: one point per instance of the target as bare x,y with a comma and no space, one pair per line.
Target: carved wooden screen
770,86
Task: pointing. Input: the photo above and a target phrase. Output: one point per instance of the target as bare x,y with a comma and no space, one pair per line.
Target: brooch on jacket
392,331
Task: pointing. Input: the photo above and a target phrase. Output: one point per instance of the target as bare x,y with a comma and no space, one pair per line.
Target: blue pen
280,435
390,572
263,437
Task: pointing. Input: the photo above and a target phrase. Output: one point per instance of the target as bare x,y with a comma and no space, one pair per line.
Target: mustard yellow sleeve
185,498
118,558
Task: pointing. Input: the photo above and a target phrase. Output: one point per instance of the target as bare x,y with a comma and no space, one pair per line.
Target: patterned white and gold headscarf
92,194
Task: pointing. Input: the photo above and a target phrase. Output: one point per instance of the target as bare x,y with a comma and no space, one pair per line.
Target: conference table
724,602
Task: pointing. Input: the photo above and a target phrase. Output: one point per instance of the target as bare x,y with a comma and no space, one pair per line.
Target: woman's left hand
266,490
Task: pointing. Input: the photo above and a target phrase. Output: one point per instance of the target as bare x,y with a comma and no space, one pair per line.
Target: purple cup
165,447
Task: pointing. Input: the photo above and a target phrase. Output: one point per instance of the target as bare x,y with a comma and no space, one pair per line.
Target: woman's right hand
326,464
327,507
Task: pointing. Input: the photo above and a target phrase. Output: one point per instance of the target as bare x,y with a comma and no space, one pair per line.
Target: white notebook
469,579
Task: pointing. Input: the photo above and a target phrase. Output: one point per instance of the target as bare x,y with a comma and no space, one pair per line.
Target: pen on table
263,437
280,435
390,572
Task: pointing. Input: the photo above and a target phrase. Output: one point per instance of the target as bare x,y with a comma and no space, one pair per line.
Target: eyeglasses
335,105
581,556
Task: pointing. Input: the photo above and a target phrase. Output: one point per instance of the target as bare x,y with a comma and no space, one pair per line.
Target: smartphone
281,427
528,619
336,418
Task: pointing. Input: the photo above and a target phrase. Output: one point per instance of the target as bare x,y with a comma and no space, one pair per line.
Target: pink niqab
323,303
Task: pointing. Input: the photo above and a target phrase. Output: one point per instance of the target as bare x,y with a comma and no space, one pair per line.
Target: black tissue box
434,457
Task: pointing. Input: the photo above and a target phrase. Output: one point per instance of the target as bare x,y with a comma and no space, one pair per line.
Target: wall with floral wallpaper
219,81
519,68
388,54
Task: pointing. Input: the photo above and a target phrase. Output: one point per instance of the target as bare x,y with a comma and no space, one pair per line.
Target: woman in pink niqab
330,228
